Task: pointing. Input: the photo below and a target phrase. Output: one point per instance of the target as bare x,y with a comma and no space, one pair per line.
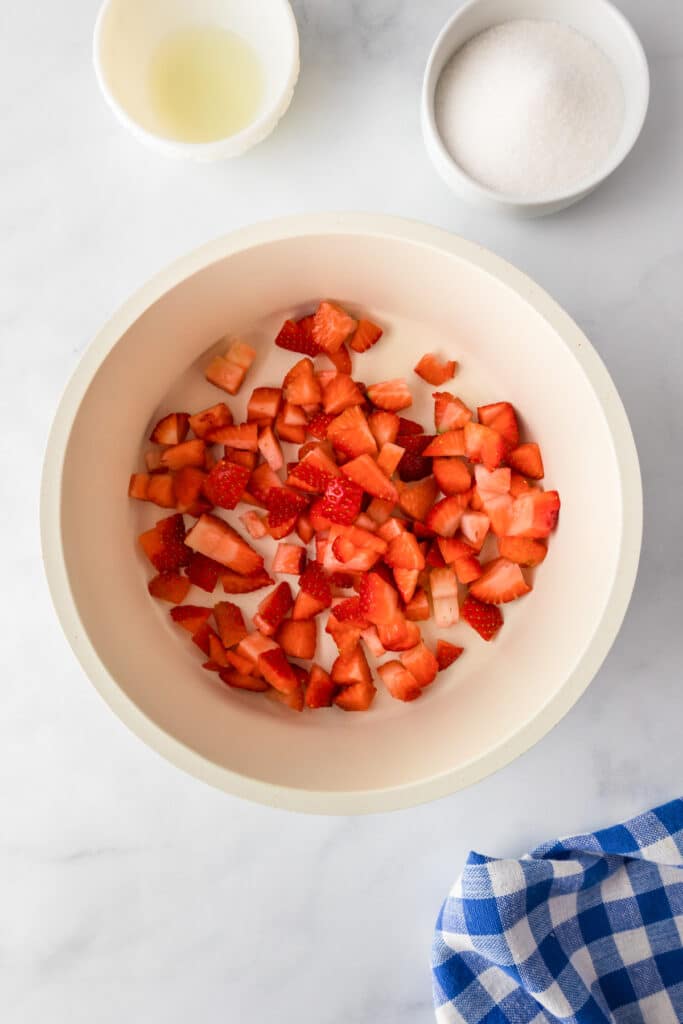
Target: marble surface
128,891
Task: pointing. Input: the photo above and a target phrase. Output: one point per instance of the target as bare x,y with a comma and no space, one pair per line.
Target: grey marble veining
127,890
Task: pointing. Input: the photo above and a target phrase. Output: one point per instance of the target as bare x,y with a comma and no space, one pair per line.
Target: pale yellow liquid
205,84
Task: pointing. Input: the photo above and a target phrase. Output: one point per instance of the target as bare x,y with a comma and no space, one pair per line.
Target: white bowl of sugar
529,105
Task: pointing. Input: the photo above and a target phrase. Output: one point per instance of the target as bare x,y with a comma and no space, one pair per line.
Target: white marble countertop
129,891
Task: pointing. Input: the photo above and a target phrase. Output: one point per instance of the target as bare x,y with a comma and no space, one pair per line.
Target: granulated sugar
529,108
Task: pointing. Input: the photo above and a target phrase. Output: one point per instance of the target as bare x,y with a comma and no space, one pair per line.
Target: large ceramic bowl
432,291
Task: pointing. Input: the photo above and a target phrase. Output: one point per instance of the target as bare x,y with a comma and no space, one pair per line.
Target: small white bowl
128,33
597,20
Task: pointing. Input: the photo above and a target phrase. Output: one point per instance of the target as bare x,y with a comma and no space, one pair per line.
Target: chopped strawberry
444,587
534,514
153,460
253,646
190,616
226,483
522,550
452,476
400,683
270,449
332,326
417,609
384,426
342,501
230,622
295,337
189,487
406,582
273,609
161,490
241,458
277,671
451,443
202,638
527,459
434,559
244,437
351,668
499,512
289,559
304,528
393,395
235,583
314,471
379,511
225,374
492,484
357,697
297,638
378,599
413,465
388,461
467,568
349,610
320,690
283,505
393,527
474,526
341,393
345,580
444,517
301,386
416,499
351,435
485,618
421,664
165,545
319,522
319,425
483,444
264,405
368,475
501,581
346,635
202,423
518,485
240,681
254,524
434,370
204,572
341,359
365,336
262,481
171,429
242,664
315,582
501,417
400,634
215,539
404,552
372,641
446,653
450,413
169,586
187,453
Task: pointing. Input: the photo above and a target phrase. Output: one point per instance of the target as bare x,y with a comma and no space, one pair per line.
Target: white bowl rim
393,797
229,145
502,199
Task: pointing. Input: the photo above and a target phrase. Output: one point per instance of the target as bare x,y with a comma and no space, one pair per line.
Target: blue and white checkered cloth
586,930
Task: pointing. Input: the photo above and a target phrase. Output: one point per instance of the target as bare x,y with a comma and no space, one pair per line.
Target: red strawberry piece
346,635
204,572
314,471
202,423
315,582
351,668
161,490
226,483
484,444
318,426
444,587
501,417
297,638
253,646
409,427
522,550
357,697
450,413
188,453
434,370
450,444
190,616
406,582
444,517
240,681
393,395
171,429
341,359
225,374
295,338
270,449
169,586
421,664
474,526
230,622
289,559
365,336
342,501
242,664
321,689
215,539
379,511
294,433
254,524
492,484
262,481
527,459
416,499
243,437
534,514
378,599
341,393
398,635
404,552
400,683
264,405
384,426
240,458
485,618
273,608
283,505
434,558
189,487
389,459
343,580
393,527
164,544
467,569
350,434
235,583
446,653
366,473
350,611
372,641
153,461
500,582
332,326
301,386
452,476
217,654
518,485
202,638
413,466
304,528
417,609
277,671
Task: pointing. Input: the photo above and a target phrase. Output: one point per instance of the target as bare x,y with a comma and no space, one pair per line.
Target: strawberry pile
405,524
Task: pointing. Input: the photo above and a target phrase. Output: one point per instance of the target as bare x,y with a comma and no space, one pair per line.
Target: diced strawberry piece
501,581
450,413
319,522
235,583
522,550
314,471
304,528
226,483
485,618
202,638
400,683
400,634
321,689
444,587
225,374
215,539
449,444
283,505
189,488
366,522
527,459
341,359
315,582
380,511
297,638
262,481
446,653
372,641
384,426
230,622
518,485
342,501
190,616
244,665
434,559
289,559
378,599
171,429
346,635
434,370
341,393
165,545
277,671
365,336
393,395
264,405
241,681
413,465
410,427
138,486
240,458
202,423
301,386
404,552
319,425
351,668
501,417
241,354
244,437
169,586
153,460
474,526
357,697
295,434
499,512
269,446
534,514
253,646
273,609
332,326
406,582
204,572
349,610
367,474
421,664
417,609
452,476
254,524
296,338
388,461
483,444
416,499
351,435
467,569
491,484
444,517
188,453
307,607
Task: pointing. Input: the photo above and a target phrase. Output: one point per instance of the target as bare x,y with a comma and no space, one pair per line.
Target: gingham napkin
586,930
